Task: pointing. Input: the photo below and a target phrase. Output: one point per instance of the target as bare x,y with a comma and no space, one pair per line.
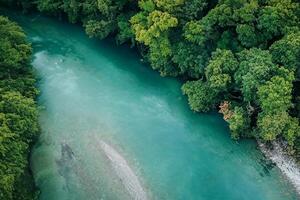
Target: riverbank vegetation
241,57
18,113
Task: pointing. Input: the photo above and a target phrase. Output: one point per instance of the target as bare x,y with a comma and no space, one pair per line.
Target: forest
18,112
240,57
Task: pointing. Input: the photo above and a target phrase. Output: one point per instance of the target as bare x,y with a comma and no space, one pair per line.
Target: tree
168,5
220,69
14,50
286,52
275,99
99,29
153,31
19,126
255,68
200,97
72,8
191,9
50,6
276,17
247,35
125,32
238,119
190,58
18,113
291,131
271,125
276,95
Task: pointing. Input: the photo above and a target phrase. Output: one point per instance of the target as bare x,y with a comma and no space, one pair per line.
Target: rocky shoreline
287,164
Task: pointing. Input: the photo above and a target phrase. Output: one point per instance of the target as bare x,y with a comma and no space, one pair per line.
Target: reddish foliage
225,110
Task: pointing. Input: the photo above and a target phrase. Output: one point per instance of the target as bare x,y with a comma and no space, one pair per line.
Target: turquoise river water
112,129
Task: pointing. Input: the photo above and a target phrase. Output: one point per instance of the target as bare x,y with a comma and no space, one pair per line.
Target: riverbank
287,164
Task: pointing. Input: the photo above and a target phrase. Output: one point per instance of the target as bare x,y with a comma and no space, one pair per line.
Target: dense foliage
18,113
241,56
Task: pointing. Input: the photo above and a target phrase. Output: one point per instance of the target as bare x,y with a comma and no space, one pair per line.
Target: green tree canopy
18,112
200,97
220,69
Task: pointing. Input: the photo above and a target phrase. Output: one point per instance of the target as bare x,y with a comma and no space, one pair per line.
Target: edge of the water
286,163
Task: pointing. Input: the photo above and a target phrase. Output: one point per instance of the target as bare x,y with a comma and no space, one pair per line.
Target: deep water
113,128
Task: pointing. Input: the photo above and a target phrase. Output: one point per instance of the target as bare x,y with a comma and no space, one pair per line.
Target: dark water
96,94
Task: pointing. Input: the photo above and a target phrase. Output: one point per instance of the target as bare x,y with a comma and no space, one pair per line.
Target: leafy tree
238,119
18,113
271,125
291,131
125,32
153,31
190,58
19,125
247,35
229,41
275,100
286,51
200,97
50,6
220,69
191,9
99,29
255,68
14,51
72,8
277,16
199,32
168,5
276,95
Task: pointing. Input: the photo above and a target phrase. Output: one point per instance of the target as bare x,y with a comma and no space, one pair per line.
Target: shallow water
95,94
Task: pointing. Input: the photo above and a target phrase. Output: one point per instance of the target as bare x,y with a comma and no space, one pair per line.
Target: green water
95,91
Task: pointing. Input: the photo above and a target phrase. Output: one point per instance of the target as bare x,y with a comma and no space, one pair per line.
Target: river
112,129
